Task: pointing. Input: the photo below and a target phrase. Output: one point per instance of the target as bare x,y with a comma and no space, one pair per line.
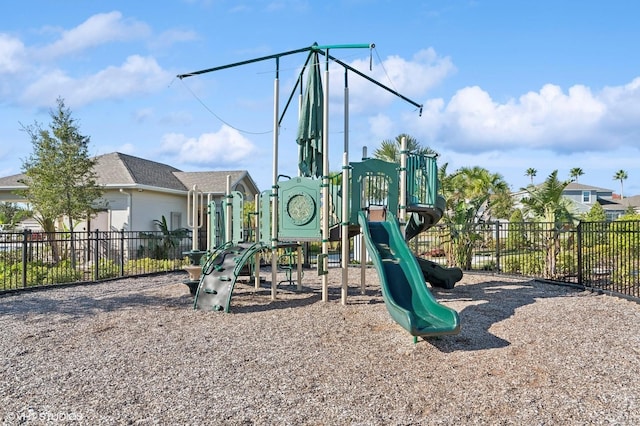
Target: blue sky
506,85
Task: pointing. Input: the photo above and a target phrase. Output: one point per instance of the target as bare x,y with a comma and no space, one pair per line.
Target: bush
62,273
106,269
566,264
533,264
148,265
512,265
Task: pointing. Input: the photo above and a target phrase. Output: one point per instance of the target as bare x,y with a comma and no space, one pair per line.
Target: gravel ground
133,351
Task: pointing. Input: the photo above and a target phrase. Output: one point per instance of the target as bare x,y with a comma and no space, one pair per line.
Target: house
139,191
583,197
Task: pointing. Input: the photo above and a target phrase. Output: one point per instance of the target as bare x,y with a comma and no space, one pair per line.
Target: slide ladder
219,275
408,300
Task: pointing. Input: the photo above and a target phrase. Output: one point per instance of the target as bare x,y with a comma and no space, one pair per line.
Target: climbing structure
316,207
220,273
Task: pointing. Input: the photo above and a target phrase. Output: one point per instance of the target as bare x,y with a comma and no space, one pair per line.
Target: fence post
25,238
122,252
96,257
497,224
579,254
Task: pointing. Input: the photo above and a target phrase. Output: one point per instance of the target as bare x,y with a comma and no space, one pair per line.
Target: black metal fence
597,255
29,259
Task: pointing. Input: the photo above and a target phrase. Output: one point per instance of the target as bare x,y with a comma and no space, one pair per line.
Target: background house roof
122,169
215,182
575,186
118,169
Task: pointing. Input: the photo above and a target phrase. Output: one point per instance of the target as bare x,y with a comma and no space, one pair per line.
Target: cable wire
218,117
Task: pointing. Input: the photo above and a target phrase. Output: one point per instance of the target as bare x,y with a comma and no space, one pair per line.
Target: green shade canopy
309,135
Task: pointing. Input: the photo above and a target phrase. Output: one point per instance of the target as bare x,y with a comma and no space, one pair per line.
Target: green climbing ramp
219,275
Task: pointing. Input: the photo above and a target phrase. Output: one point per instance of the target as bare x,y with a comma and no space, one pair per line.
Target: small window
176,220
586,196
240,188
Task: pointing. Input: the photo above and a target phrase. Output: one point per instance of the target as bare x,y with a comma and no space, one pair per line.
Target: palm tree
472,194
389,150
548,205
575,173
621,175
531,172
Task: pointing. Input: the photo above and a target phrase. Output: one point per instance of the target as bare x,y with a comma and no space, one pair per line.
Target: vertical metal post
325,183
402,214
497,224
194,201
209,216
25,254
345,196
274,187
256,259
299,258
96,256
122,252
580,258
363,250
228,225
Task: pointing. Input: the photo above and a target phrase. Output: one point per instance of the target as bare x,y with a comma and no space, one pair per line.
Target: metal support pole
228,206
345,197
256,261
402,214
363,249
195,197
274,188
299,257
325,185
210,214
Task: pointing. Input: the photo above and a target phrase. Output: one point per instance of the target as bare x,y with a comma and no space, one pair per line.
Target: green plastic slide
406,295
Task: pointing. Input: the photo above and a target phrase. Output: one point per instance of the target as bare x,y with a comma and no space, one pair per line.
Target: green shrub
512,265
533,264
566,264
106,269
148,265
62,273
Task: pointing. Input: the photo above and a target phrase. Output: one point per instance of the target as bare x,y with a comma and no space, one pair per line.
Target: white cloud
99,29
224,148
411,78
571,121
11,54
381,127
137,75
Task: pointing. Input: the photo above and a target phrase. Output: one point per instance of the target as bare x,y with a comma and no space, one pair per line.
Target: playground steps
219,275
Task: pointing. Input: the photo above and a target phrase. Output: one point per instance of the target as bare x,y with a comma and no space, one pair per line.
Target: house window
586,197
240,188
176,220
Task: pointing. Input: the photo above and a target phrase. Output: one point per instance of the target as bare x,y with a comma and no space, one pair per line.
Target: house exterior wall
133,210
147,206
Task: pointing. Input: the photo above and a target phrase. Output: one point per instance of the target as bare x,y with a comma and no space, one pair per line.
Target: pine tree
59,174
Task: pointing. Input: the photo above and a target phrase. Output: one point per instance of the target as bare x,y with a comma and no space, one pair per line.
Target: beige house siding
139,191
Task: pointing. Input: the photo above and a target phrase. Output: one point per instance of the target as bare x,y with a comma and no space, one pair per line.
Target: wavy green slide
406,295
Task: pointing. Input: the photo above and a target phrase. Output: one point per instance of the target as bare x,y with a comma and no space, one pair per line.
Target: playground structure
386,204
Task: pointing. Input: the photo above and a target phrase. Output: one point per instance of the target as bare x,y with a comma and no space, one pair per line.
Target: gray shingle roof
215,182
122,169
575,186
117,169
